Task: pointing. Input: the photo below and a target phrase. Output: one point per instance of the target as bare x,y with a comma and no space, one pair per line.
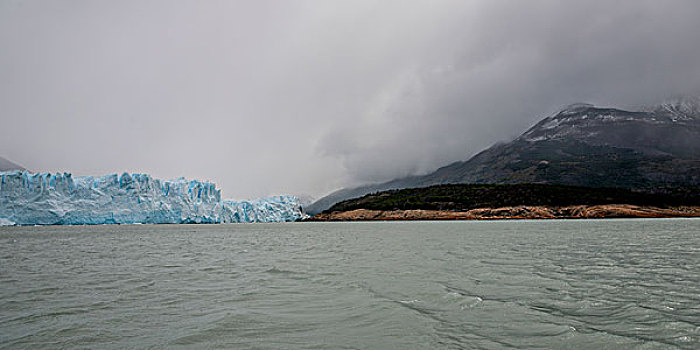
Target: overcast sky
304,97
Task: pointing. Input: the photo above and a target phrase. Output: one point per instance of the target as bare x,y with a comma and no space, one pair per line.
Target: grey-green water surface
588,284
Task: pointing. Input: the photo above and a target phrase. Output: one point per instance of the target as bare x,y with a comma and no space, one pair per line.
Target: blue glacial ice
61,199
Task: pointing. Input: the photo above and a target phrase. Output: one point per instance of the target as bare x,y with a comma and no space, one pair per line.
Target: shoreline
513,213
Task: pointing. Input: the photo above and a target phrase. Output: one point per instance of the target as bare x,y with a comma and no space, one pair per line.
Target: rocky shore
518,212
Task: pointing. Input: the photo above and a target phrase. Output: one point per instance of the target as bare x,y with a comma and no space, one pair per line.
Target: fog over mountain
304,97
7,165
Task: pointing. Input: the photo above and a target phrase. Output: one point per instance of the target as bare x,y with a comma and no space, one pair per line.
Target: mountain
6,165
582,145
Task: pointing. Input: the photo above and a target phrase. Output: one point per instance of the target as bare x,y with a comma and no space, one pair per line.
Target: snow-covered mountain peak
575,108
682,108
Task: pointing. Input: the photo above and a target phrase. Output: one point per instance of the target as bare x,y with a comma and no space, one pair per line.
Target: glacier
61,199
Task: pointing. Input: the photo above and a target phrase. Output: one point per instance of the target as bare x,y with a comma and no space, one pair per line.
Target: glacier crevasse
61,199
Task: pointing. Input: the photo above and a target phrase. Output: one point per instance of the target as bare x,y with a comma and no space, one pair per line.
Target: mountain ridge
581,145
7,165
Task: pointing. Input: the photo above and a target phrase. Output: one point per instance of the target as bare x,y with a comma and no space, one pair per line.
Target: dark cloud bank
268,97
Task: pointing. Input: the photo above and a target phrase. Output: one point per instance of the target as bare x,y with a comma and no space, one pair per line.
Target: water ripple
444,285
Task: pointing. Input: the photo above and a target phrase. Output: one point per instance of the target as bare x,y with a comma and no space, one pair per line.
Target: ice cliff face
61,199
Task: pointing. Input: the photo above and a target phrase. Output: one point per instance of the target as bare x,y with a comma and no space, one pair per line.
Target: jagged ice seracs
61,199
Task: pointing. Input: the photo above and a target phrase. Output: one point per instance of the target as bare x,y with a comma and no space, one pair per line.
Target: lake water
584,284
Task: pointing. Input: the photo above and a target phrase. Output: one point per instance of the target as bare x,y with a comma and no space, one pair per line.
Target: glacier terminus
61,199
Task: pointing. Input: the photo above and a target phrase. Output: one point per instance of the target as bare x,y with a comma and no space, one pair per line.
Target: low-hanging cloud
297,97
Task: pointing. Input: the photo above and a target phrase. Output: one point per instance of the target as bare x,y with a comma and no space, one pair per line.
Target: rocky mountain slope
6,165
518,212
582,145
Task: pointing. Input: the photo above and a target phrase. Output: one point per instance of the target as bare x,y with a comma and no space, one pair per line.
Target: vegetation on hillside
460,197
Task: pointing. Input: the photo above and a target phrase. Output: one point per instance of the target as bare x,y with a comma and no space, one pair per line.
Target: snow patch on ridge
576,108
